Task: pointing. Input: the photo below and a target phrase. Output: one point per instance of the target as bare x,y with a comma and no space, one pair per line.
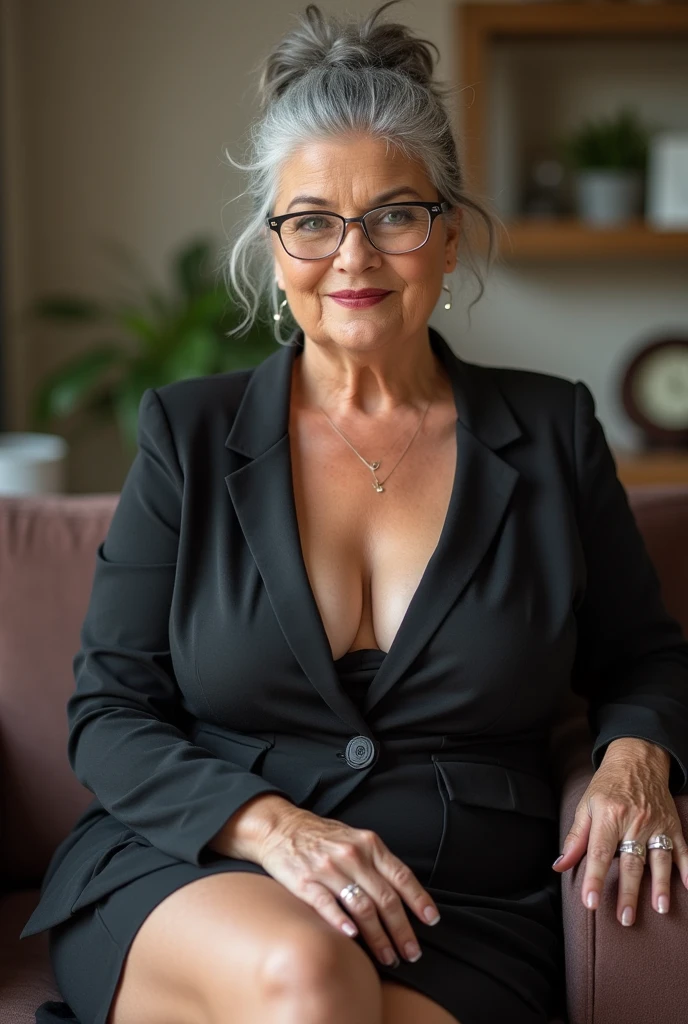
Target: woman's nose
355,247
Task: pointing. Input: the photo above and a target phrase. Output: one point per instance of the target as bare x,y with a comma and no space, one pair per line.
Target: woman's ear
278,276
453,222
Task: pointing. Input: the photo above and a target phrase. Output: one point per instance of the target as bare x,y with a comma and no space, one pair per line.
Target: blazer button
360,752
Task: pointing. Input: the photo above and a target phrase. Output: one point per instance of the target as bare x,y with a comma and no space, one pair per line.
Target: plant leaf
68,309
62,392
617,142
192,267
163,339
244,353
195,356
139,324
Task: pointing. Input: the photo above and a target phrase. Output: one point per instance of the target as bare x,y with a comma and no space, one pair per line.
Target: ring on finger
661,869
351,891
631,846
636,849
348,894
660,842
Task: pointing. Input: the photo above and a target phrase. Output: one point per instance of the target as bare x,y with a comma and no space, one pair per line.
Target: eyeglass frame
433,207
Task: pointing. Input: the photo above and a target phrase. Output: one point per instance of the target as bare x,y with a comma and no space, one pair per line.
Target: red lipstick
359,299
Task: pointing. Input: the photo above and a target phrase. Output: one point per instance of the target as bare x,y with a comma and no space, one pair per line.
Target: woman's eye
309,222
394,217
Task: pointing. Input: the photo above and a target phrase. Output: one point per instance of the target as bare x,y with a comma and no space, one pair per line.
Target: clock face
660,387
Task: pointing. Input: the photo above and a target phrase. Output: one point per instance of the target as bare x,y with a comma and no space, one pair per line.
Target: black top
357,669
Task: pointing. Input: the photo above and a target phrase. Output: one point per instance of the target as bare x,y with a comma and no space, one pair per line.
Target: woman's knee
316,958
244,941
319,976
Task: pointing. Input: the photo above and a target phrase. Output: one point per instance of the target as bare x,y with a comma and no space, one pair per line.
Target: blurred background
572,119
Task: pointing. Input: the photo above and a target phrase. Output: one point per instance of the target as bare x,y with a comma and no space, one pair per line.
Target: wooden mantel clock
654,391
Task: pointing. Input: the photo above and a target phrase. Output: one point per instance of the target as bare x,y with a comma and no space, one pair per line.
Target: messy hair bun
326,42
328,79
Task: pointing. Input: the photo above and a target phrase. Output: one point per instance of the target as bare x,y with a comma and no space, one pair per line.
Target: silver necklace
373,466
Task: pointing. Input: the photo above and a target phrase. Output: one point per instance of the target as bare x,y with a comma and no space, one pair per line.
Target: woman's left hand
628,798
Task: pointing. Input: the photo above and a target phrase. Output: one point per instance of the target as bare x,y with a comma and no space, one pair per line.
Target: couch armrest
615,973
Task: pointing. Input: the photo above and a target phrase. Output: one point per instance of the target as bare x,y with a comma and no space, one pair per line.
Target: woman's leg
239,946
404,1005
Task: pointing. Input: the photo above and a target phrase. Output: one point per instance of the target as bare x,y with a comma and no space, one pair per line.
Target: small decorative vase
608,197
32,463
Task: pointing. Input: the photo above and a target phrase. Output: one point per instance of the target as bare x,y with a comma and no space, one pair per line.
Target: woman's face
351,177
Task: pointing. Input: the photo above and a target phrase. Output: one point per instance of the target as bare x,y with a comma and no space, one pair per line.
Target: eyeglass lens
395,229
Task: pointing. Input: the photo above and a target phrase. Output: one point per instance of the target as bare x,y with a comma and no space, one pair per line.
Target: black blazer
205,675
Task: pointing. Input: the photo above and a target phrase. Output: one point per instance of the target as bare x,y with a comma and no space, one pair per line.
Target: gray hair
327,79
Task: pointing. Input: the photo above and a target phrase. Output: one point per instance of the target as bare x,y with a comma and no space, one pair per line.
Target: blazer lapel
263,497
481,492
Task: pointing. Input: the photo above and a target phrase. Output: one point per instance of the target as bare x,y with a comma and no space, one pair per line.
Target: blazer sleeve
632,658
125,744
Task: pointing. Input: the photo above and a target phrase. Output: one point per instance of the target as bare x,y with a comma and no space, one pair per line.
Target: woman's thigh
229,939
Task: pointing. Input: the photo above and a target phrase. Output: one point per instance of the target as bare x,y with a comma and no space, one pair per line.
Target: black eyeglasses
394,228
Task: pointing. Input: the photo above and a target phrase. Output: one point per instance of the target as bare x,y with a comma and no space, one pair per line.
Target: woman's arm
632,658
125,742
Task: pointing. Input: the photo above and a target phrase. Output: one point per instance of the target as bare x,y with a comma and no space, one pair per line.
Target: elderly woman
338,605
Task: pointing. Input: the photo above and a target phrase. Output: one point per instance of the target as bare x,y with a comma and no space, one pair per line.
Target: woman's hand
628,798
316,857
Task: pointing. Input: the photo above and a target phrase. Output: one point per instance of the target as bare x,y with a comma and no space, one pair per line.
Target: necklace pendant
378,487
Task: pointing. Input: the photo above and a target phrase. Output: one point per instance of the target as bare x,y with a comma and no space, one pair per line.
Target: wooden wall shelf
536,20
655,467
573,239
479,26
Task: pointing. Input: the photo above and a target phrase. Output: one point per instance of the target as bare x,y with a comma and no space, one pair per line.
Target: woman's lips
367,300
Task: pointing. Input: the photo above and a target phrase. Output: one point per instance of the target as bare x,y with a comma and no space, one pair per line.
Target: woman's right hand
316,857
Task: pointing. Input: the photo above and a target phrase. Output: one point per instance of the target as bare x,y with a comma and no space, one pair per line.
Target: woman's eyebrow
383,197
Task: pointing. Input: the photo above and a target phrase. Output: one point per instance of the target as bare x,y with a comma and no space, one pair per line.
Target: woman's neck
374,383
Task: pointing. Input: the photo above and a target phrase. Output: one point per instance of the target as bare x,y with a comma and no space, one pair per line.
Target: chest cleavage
365,553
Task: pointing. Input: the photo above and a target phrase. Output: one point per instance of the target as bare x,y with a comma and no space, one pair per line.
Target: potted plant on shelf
608,157
158,338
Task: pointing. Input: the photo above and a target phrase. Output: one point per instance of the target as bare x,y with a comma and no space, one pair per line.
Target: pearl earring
448,303
277,317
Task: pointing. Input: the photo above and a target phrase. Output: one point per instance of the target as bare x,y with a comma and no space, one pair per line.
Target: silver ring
350,891
660,842
631,846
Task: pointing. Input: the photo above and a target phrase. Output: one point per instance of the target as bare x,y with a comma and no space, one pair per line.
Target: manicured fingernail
592,900
663,904
412,952
560,857
431,915
627,916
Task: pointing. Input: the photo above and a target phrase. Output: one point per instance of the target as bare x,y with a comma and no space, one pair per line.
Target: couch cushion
26,974
661,513
47,561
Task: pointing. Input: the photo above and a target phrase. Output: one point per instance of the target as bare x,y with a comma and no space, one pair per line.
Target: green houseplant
608,157
157,338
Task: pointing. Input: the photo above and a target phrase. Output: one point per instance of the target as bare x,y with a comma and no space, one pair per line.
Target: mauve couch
614,975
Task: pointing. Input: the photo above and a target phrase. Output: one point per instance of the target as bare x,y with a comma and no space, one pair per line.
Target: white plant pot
608,197
32,463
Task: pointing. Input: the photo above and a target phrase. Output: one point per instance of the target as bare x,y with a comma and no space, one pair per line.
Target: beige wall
116,114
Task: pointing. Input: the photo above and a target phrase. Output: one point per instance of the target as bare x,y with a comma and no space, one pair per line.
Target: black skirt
495,955
89,949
